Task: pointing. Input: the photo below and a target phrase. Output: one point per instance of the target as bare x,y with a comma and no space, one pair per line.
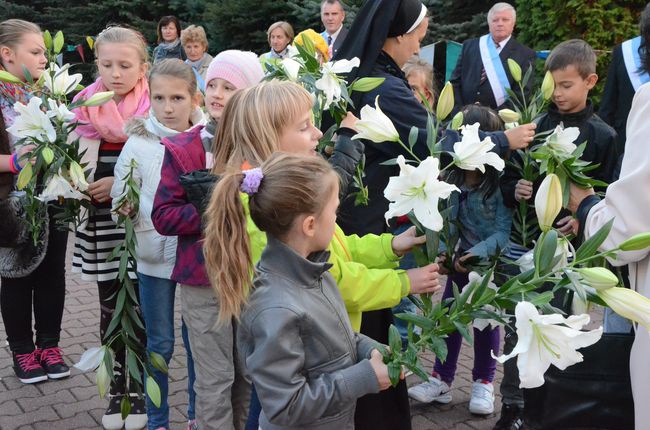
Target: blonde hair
418,65
176,68
285,26
194,34
116,34
13,30
291,185
253,122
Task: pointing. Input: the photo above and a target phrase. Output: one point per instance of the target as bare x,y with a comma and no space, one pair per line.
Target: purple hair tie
252,181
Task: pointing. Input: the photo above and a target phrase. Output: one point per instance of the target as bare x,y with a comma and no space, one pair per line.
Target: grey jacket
307,364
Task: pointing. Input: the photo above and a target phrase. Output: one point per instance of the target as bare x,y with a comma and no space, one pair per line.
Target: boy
419,75
573,66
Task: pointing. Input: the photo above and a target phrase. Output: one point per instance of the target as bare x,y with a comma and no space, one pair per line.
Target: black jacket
466,77
397,101
601,147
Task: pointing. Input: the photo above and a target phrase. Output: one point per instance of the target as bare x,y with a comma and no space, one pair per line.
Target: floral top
9,95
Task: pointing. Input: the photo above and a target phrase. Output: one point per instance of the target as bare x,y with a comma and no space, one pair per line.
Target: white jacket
156,254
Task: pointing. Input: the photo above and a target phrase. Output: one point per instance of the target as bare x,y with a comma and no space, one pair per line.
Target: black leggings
44,291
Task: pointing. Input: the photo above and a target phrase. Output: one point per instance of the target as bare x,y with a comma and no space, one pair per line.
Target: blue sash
633,62
494,71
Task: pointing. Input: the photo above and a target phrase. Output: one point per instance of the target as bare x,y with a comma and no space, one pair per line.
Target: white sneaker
482,400
433,391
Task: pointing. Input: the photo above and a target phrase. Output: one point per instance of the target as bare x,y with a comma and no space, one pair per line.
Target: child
221,396
282,113
169,40
573,66
419,75
294,336
121,55
174,109
36,280
280,35
195,44
484,228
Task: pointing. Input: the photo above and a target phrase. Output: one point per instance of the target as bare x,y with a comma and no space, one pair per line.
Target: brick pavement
74,403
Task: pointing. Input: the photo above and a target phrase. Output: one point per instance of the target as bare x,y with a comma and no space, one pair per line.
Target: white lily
90,359
292,52
418,189
526,262
59,111
481,323
291,67
472,153
375,126
330,82
547,339
58,186
548,201
32,122
58,81
627,303
562,139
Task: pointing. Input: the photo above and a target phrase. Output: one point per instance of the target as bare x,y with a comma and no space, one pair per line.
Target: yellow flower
316,39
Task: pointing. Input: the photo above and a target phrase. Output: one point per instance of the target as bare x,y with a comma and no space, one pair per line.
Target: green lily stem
409,150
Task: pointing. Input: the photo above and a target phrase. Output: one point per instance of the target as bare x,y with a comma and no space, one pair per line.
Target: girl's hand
520,137
22,151
381,370
126,209
577,195
350,121
100,190
403,242
441,260
523,190
567,225
424,279
458,264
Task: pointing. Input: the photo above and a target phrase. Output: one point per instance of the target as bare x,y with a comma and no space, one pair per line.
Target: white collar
503,43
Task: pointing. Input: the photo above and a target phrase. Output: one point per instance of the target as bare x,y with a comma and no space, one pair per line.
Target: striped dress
96,238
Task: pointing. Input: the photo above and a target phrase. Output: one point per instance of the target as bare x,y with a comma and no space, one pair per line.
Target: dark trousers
43,292
389,409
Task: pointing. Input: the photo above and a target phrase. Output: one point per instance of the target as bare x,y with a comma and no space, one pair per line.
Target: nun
384,35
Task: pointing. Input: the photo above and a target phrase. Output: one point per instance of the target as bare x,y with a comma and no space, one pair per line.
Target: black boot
512,418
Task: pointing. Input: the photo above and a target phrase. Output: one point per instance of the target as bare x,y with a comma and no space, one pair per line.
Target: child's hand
523,190
22,151
577,195
403,242
458,264
424,279
520,137
350,121
381,370
100,190
567,225
441,260
126,209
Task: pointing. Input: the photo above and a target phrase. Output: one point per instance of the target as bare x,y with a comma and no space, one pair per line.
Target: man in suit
482,74
332,14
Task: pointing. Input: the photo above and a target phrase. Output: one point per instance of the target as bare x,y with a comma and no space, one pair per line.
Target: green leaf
413,137
591,245
425,323
433,243
102,379
125,406
462,329
58,42
364,85
153,391
439,347
134,366
546,251
394,339
158,362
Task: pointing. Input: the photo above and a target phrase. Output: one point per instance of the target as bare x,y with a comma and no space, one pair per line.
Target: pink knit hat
241,68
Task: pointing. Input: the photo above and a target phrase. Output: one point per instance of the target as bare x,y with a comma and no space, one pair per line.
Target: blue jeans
405,306
254,412
157,305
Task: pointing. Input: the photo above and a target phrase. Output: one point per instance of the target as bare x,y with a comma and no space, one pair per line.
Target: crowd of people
287,287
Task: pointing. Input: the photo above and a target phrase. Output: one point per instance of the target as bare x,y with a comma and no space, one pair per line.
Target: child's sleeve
289,395
365,346
371,250
499,238
172,214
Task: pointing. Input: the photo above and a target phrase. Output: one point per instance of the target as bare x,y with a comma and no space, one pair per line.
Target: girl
174,109
169,40
222,397
484,229
195,44
295,338
276,116
24,285
121,57
280,35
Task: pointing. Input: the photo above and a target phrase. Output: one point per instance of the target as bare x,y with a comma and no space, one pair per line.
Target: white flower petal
90,359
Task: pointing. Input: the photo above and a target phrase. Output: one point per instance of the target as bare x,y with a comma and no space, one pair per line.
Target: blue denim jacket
484,224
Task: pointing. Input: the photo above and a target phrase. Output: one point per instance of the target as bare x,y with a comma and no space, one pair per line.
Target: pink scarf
107,121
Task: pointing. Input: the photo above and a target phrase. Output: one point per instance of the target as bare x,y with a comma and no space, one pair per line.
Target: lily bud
445,102
102,379
548,201
508,115
457,121
9,78
548,86
48,155
99,99
636,243
515,70
375,126
598,278
78,177
628,304
24,176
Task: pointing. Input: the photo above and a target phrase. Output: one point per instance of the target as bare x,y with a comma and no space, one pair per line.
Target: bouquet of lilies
546,336
54,172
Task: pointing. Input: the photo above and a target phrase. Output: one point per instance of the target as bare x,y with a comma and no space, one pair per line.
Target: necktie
329,40
483,74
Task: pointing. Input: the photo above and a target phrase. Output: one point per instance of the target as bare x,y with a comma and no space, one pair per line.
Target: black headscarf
376,21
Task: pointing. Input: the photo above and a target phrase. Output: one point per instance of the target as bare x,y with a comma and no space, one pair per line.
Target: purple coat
173,215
